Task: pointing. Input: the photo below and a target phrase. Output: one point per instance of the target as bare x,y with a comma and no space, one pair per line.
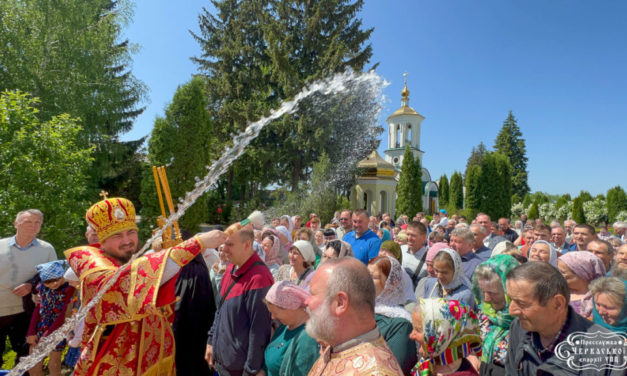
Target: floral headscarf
388,302
499,321
553,251
459,278
451,332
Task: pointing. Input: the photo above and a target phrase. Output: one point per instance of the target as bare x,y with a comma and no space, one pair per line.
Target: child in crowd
49,314
76,335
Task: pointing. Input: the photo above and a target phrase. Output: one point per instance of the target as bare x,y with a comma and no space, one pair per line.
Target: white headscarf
390,300
459,278
285,232
289,221
553,251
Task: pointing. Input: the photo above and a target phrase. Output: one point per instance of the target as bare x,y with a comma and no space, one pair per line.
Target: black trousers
14,326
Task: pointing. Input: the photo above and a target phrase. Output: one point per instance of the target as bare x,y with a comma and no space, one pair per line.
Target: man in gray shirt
19,255
415,251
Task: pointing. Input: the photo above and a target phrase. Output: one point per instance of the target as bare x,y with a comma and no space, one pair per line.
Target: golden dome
375,166
405,92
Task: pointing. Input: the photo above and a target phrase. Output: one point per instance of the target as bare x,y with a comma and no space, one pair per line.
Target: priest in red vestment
128,332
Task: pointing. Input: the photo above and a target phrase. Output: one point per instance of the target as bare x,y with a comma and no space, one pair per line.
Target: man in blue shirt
364,242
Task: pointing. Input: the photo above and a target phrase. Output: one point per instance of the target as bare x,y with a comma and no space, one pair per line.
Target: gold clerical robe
128,332
368,355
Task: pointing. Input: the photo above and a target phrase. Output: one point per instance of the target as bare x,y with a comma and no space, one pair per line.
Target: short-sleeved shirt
366,247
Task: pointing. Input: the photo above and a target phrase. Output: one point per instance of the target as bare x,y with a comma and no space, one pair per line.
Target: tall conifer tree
456,191
407,190
182,140
443,189
473,193
510,143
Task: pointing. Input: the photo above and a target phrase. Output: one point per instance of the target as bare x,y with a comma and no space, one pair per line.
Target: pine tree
443,189
256,54
510,143
405,188
473,195
476,157
181,140
616,202
456,191
504,185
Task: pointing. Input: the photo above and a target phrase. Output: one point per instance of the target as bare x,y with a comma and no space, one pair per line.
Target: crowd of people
360,295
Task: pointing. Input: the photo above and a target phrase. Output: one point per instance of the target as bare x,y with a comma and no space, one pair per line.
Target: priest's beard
321,324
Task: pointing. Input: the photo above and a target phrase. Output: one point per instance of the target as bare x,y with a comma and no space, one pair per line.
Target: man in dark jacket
543,335
241,328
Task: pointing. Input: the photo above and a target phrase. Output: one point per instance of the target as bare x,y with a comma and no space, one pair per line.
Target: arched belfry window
408,134
398,136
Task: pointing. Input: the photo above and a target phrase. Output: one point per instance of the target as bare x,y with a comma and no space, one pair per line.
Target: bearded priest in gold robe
128,332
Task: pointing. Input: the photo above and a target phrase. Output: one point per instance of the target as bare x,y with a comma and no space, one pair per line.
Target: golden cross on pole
104,194
405,76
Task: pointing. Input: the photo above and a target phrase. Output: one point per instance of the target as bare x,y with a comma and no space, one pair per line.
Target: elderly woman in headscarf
291,350
285,238
271,246
609,309
384,234
307,234
447,332
541,250
300,269
286,221
450,281
392,319
488,287
579,269
336,249
433,250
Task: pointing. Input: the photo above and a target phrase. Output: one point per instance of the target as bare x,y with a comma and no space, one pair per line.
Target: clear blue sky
560,66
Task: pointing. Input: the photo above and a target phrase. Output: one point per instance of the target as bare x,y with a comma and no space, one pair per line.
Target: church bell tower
403,130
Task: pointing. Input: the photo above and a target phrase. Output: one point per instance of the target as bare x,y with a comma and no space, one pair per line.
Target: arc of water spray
335,84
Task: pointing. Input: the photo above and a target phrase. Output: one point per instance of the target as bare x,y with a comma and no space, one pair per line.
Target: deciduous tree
43,165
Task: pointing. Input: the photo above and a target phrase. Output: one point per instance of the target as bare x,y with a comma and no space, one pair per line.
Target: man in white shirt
346,224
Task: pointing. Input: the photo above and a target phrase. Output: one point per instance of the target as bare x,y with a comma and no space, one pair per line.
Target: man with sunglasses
346,224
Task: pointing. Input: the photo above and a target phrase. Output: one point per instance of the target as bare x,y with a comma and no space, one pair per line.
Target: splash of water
339,83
